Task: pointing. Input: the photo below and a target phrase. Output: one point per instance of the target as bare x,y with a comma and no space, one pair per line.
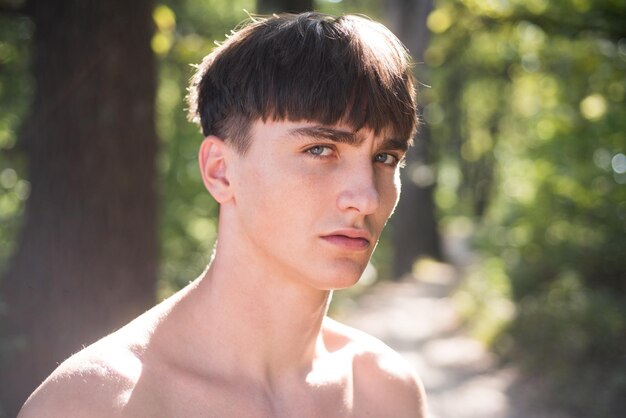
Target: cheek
278,188
256,191
390,195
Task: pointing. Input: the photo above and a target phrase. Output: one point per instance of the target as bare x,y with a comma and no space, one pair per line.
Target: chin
340,278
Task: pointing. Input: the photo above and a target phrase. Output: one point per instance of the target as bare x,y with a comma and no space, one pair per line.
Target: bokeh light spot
8,178
161,43
602,159
164,18
593,107
439,20
618,163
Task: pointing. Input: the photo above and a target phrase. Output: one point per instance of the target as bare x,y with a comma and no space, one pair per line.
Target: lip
349,239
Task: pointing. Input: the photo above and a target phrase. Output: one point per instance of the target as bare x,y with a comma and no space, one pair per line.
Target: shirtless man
306,121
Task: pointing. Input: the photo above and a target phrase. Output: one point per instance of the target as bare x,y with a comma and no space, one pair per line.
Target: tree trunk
87,256
278,6
414,225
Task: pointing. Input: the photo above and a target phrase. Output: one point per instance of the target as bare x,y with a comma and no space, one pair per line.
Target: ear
213,159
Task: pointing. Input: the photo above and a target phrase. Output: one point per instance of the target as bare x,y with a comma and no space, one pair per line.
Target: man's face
310,201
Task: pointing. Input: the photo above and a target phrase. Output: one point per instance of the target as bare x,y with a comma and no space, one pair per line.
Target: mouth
349,239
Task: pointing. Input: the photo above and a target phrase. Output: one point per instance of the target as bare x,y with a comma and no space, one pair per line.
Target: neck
251,321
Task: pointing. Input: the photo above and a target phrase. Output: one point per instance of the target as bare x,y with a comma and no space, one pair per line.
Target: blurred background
516,186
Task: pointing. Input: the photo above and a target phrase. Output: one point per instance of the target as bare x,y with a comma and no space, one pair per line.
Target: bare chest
156,395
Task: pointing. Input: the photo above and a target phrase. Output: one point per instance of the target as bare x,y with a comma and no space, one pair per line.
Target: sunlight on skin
126,363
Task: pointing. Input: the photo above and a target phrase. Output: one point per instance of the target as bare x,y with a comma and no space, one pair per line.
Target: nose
358,191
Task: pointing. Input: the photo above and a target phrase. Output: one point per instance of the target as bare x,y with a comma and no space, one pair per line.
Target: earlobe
213,160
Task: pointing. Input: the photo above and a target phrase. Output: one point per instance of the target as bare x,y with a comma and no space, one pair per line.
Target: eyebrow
326,133
344,137
395,145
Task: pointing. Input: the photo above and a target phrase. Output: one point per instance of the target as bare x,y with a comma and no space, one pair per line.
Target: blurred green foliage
527,106
185,32
15,96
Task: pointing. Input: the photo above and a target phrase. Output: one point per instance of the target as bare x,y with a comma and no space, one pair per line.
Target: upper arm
388,386
58,399
51,399
89,390
384,383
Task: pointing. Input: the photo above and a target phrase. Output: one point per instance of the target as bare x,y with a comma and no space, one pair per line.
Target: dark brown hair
311,67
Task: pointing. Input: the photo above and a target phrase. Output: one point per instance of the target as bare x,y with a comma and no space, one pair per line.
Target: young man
306,121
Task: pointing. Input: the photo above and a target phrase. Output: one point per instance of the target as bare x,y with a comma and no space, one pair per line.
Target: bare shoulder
385,384
98,381
95,382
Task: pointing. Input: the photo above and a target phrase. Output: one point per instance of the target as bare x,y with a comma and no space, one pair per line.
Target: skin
300,215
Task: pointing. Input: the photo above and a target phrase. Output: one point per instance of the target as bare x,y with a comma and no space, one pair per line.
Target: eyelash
397,161
310,151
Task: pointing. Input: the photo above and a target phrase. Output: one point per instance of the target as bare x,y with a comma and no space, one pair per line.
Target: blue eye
320,151
385,158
